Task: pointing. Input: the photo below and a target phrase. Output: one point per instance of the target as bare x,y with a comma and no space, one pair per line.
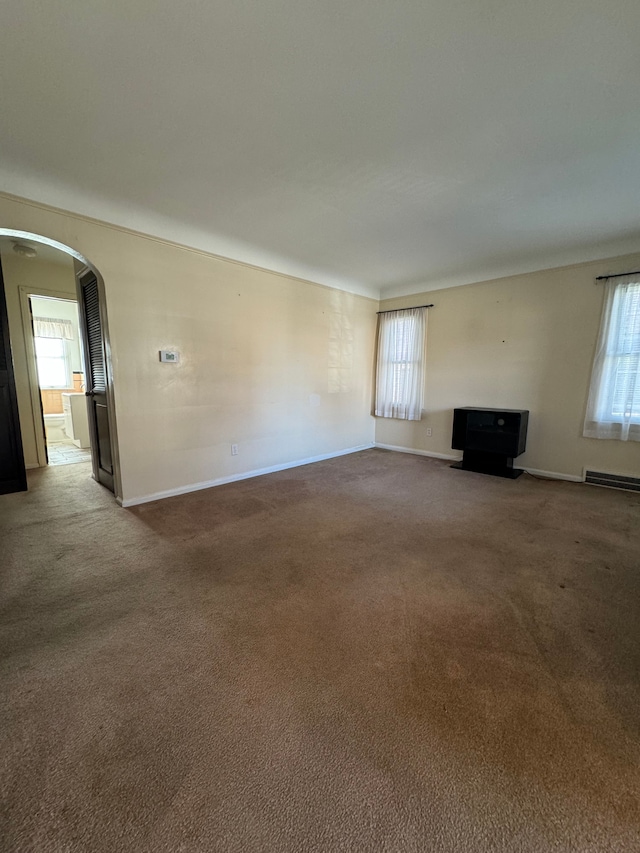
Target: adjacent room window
613,410
53,363
400,367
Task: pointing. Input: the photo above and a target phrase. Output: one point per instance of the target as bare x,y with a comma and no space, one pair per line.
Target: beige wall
283,367
522,342
279,366
35,274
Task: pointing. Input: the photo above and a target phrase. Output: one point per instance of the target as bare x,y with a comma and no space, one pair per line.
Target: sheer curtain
613,410
400,368
47,327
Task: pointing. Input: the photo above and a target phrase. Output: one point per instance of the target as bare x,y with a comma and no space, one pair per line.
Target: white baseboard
31,465
536,472
433,454
259,472
234,478
554,475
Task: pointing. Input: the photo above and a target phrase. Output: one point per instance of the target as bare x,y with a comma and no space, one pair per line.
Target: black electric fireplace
490,439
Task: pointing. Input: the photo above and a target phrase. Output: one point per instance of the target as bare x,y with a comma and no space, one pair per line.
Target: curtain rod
617,275
413,308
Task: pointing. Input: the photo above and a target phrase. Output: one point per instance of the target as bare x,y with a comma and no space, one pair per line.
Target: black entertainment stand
490,439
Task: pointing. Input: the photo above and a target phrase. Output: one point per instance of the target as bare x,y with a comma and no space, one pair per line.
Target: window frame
401,364
614,385
64,357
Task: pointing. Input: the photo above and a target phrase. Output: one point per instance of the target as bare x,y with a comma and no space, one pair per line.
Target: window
400,368
53,363
613,410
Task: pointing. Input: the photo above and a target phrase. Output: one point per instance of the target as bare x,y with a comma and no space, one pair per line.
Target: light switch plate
169,357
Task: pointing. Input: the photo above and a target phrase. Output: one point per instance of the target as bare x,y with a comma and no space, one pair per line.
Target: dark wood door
96,381
13,477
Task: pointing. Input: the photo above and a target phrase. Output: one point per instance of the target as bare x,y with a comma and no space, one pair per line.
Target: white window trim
401,344
619,338
66,360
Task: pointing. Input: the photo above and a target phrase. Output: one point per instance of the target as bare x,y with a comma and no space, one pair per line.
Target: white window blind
613,410
400,367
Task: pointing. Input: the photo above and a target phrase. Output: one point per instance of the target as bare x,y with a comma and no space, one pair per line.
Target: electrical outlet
429,431
234,449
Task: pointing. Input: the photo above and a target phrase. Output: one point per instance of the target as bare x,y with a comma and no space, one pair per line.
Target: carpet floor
372,653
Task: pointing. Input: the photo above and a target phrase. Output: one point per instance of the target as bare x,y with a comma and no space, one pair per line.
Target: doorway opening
61,379
59,407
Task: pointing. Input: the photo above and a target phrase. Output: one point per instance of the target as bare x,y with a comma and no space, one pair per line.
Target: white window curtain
46,327
400,368
613,410
52,363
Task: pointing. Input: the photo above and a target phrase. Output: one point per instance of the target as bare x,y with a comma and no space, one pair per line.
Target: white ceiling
43,251
391,145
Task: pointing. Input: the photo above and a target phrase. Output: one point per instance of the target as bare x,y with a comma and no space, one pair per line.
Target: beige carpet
373,653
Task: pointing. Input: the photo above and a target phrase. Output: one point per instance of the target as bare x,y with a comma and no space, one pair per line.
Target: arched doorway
20,395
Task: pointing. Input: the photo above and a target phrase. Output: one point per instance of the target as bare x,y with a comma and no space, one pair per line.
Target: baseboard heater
613,481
